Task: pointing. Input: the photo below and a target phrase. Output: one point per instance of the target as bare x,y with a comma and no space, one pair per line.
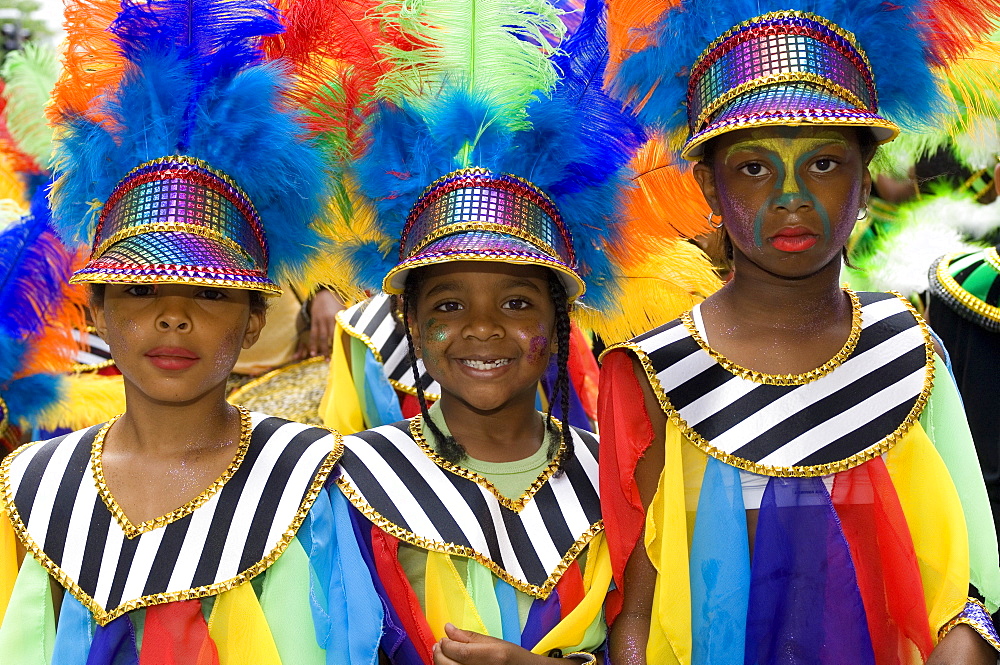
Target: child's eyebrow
442,287
514,283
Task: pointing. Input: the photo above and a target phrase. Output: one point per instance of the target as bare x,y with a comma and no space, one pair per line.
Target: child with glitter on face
186,529
492,215
800,486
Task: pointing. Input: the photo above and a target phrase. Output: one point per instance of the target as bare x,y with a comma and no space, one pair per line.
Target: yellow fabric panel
8,561
596,580
240,631
667,546
934,516
446,598
694,461
340,407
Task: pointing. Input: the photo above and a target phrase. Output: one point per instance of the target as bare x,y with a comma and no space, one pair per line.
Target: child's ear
256,323
97,315
417,339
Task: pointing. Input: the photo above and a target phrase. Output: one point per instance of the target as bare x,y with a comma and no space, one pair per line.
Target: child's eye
448,306
212,294
754,169
516,304
824,165
140,290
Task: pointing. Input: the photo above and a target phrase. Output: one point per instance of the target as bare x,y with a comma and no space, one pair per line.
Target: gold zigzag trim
517,505
538,591
785,379
983,631
133,530
873,451
402,387
100,615
955,290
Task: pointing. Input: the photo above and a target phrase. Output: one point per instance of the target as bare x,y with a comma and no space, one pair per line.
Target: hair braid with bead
561,388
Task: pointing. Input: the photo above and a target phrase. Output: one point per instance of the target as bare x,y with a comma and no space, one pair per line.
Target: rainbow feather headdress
509,151
178,158
719,66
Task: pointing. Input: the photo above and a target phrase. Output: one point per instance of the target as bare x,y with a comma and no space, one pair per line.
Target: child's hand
464,647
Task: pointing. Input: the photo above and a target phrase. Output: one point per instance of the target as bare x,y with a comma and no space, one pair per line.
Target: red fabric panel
885,561
176,634
401,594
583,371
409,404
570,589
626,433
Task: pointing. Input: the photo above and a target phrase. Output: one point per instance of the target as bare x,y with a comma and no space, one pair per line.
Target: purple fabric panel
114,644
805,605
542,617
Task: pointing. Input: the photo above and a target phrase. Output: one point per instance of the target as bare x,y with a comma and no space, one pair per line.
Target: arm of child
464,647
630,631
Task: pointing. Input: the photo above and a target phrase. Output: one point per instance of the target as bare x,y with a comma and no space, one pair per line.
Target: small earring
862,213
711,223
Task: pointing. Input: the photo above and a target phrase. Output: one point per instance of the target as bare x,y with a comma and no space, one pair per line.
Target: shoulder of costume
64,514
851,409
398,483
374,322
969,284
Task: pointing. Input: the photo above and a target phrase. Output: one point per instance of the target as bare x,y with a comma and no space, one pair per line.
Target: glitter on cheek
537,347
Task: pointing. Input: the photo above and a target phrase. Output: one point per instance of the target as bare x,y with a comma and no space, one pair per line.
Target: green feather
498,48
29,76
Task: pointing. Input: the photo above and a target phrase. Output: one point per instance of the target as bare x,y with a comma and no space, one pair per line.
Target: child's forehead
465,274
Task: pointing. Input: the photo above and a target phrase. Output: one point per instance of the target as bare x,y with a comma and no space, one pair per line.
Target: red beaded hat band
475,215
176,219
782,68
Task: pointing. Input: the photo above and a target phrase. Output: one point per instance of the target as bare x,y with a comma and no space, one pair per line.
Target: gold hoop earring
711,223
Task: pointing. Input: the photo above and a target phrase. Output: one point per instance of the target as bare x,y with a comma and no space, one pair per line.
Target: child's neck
507,434
165,429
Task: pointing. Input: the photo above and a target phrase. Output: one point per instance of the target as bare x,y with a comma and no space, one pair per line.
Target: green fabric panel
28,632
962,262
358,350
511,479
944,421
479,582
285,602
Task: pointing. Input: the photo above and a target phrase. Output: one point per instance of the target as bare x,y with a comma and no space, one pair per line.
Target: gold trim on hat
168,227
267,287
773,79
491,227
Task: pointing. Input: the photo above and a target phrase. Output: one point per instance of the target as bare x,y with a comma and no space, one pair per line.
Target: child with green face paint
790,425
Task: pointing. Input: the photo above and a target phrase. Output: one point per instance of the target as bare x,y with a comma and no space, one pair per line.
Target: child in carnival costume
801,485
488,199
184,530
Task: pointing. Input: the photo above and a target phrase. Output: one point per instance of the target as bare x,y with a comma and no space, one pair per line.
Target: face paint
784,156
536,347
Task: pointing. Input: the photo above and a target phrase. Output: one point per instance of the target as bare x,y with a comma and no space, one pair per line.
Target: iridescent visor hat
177,220
782,68
475,215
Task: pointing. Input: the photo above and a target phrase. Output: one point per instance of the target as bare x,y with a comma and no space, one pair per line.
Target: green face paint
783,156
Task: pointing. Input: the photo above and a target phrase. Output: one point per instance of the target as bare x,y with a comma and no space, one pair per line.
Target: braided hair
446,446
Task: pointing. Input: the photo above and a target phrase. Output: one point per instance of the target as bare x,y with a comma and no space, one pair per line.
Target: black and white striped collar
226,536
852,409
405,489
373,322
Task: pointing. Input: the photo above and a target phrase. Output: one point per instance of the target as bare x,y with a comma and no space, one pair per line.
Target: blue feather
889,33
35,268
198,87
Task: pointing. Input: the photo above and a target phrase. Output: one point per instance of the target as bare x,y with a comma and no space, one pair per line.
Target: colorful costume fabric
964,309
868,526
446,545
261,567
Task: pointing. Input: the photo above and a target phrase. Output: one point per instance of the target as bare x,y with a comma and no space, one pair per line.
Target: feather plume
889,33
669,280
14,160
210,97
955,27
629,26
497,48
87,400
29,75
92,62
